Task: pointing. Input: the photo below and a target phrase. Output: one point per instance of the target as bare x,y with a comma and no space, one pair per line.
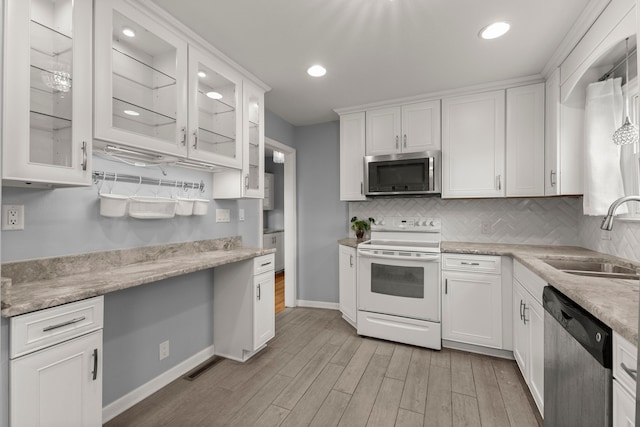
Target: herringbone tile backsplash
549,221
543,221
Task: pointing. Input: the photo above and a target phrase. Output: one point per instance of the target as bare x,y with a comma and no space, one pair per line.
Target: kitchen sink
594,268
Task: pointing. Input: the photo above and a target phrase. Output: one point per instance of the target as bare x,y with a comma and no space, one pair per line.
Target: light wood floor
318,372
279,292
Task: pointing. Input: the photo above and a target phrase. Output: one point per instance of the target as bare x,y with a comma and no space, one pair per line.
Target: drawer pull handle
265,264
259,292
94,373
469,263
631,372
63,324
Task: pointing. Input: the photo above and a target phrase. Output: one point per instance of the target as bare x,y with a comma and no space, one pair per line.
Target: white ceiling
375,49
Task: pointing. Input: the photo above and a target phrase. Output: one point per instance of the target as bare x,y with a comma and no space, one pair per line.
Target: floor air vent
202,368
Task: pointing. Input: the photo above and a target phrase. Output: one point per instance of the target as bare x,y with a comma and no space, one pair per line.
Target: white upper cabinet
352,151
405,129
473,145
214,99
47,119
247,182
552,135
525,141
141,80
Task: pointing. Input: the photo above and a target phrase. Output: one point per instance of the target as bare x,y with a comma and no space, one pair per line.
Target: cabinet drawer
44,328
529,280
476,263
263,263
624,353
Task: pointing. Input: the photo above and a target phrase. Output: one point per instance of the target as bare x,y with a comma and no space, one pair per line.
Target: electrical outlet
164,349
223,215
241,214
13,217
485,228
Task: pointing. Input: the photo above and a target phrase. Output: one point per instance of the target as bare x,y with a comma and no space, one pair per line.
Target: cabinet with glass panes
157,94
47,93
249,181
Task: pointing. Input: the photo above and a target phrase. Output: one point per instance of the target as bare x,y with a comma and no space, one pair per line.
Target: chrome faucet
607,221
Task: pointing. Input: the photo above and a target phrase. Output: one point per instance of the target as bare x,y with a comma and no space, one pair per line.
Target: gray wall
322,218
278,129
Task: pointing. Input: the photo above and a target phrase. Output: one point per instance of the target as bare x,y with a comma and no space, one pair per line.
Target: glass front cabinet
157,93
247,182
47,93
141,80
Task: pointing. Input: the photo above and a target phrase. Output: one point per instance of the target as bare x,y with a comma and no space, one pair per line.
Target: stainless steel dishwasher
577,365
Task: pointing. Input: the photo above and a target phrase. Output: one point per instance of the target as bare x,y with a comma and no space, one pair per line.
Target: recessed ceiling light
495,30
128,32
214,95
316,71
131,112
202,74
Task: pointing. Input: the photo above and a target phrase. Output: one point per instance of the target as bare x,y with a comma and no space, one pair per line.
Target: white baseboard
145,390
318,304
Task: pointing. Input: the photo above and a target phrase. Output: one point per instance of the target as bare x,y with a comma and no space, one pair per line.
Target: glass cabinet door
47,103
140,80
214,124
254,140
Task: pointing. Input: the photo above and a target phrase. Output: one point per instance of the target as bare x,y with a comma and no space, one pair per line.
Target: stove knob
381,222
425,223
431,223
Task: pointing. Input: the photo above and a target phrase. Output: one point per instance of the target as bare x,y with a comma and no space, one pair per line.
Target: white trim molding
318,304
120,405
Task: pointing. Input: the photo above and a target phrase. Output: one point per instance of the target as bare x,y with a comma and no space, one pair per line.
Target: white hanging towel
602,175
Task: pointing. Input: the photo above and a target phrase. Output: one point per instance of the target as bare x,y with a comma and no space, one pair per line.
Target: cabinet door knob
397,142
499,182
258,292
552,178
246,181
183,139
350,260
405,140
521,315
446,286
195,139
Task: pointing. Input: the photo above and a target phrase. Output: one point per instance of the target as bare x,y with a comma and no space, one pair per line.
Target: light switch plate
223,215
241,214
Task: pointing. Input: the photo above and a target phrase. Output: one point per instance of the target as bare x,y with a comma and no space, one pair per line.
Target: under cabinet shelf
48,123
147,117
129,68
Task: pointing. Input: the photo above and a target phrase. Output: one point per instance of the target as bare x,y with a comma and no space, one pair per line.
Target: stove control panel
401,223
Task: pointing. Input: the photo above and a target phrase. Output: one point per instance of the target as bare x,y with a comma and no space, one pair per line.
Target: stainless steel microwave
404,174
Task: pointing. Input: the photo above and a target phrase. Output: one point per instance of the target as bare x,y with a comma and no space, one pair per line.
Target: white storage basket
113,205
152,207
184,206
200,206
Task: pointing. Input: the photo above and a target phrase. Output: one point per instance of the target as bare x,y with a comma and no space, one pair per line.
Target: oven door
401,285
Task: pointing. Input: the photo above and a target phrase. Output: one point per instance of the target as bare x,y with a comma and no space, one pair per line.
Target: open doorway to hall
279,218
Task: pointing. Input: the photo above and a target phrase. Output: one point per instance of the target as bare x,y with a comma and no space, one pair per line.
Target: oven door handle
430,257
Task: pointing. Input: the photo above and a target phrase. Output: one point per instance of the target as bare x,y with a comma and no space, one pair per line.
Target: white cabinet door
525,141
352,151
383,131
59,386
263,309
473,138
520,329
552,135
247,182
215,103
624,407
534,314
347,282
47,117
421,127
472,308
268,241
269,192
140,81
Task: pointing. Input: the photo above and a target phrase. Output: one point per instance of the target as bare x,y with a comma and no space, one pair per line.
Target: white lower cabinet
624,384
348,283
528,330
472,299
58,382
243,307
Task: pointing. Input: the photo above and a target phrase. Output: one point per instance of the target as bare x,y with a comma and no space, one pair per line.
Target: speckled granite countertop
36,284
613,301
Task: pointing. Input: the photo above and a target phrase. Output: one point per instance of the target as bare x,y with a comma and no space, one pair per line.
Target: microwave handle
432,184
